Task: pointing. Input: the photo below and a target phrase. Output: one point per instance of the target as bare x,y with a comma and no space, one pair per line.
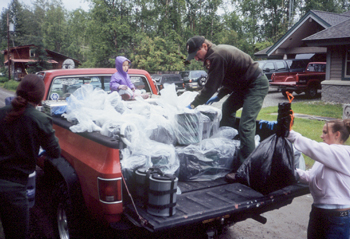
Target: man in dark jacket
233,73
23,130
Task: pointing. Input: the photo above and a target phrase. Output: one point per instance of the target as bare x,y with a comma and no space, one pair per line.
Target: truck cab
65,82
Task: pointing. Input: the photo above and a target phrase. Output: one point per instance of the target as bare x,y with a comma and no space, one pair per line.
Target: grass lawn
310,128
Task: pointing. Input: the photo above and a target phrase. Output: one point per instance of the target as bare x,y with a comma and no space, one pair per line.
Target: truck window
317,67
197,74
297,64
269,66
62,87
280,65
140,83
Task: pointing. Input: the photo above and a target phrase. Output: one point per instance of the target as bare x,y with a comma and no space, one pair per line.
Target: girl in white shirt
328,179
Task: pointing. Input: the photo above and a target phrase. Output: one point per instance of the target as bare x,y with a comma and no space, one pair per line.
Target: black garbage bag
284,119
270,166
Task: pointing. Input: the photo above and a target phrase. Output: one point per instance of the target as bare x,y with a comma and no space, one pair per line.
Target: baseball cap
193,45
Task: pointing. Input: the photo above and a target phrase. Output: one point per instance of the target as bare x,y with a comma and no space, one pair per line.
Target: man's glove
212,100
189,107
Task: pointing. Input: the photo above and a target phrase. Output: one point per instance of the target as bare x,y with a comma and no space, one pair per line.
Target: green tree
325,5
54,27
76,40
108,31
156,54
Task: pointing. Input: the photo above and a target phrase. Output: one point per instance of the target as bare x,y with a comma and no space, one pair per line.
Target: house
327,35
21,55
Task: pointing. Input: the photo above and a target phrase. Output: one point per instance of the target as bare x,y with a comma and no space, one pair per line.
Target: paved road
289,222
4,94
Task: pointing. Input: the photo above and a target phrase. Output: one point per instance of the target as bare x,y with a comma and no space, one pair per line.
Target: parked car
282,66
163,79
307,80
194,80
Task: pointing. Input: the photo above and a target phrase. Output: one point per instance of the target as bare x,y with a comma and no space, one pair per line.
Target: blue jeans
14,210
328,224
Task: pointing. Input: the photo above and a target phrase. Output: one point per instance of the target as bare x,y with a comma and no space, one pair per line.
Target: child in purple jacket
120,81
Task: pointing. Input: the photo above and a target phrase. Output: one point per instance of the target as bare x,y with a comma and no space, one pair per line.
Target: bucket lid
145,170
164,177
142,171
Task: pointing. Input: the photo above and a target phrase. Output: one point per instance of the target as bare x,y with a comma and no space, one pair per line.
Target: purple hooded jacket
120,77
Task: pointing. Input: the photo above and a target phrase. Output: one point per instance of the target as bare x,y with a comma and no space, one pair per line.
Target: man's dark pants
14,210
251,99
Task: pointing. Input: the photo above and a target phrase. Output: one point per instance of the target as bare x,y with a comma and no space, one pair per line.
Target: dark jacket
228,68
20,142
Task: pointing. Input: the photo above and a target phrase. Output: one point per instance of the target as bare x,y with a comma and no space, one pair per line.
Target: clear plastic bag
225,132
153,154
188,127
209,160
211,126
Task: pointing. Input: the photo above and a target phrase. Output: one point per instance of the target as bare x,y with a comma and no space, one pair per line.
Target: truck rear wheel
68,220
311,91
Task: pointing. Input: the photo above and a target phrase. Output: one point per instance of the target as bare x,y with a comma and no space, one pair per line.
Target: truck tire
311,91
202,81
68,221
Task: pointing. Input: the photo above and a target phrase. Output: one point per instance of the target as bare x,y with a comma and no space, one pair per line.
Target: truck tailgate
216,199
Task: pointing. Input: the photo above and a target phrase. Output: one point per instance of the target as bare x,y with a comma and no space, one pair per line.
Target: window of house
31,53
347,63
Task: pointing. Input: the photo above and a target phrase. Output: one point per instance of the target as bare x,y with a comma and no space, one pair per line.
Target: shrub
11,85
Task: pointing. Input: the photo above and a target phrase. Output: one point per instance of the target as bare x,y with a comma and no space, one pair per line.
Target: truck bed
201,201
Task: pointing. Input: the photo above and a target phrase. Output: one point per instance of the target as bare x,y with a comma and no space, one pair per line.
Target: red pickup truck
308,81
87,179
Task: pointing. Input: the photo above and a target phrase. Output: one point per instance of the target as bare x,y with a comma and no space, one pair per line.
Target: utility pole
8,46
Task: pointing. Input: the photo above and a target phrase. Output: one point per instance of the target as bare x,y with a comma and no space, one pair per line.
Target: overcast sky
68,4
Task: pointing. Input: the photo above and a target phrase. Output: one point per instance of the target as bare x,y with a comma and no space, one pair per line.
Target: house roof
48,51
310,24
332,18
29,60
338,34
262,52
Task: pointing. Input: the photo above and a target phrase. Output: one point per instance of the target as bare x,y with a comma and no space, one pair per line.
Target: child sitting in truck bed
120,81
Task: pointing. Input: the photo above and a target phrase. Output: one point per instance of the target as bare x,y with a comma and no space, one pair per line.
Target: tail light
110,190
190,80
183,85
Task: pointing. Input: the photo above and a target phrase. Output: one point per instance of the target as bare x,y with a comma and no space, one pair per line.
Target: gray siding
336,64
